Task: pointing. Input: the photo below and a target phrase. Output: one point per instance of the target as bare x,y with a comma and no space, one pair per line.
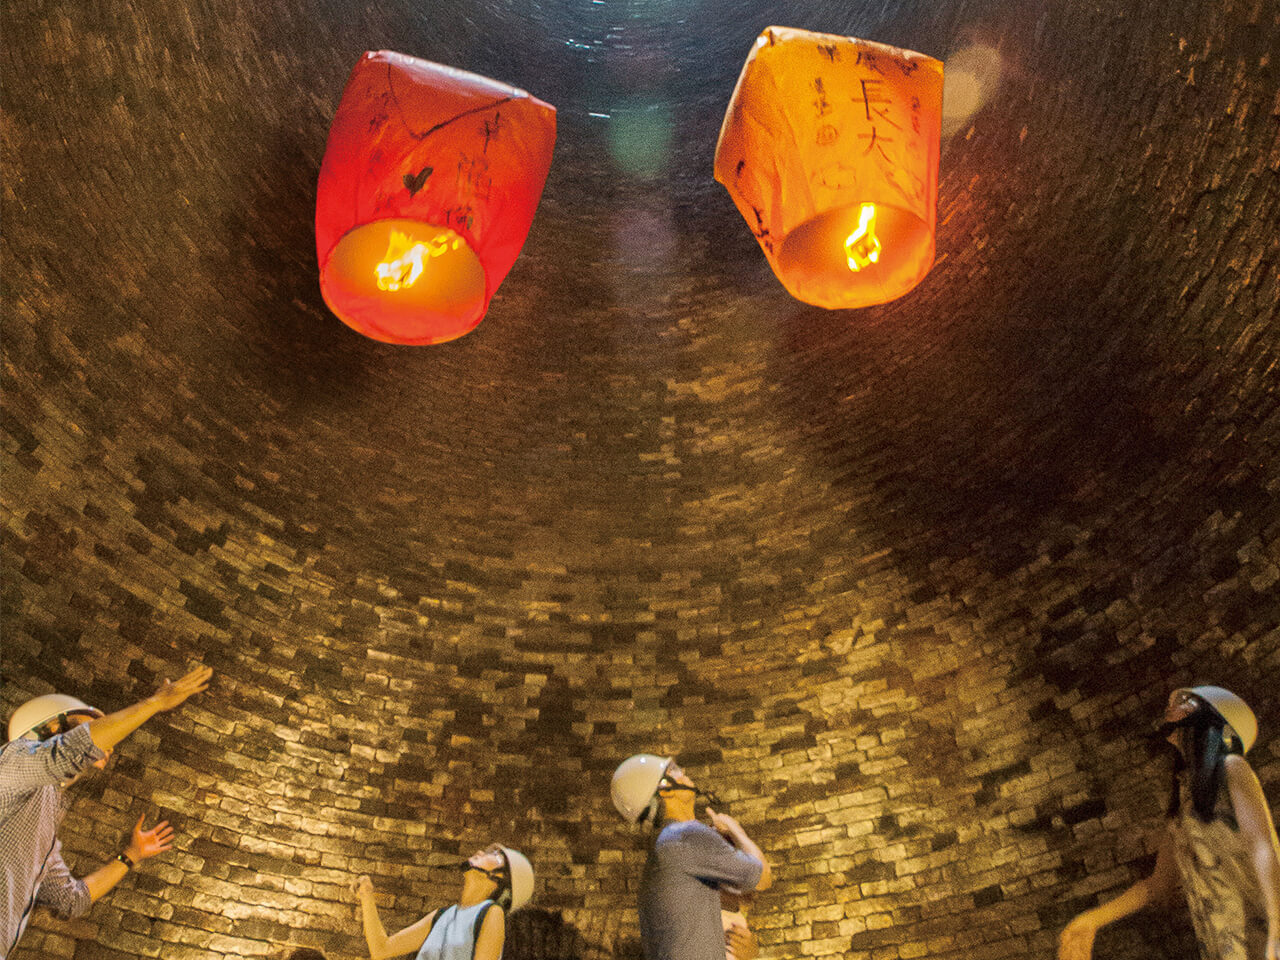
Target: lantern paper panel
829,148
428,187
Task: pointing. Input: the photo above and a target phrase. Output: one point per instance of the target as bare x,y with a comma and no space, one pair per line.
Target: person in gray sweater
689,861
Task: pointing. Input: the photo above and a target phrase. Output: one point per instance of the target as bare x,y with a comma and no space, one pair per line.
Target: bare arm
110,730
493,932
1259,833
1076,942
143,845
732,831
380,944
104,879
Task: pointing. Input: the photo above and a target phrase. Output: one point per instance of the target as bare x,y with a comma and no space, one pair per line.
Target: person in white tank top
494,880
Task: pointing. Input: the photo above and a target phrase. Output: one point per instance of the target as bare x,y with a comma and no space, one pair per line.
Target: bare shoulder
492,930
1238,771
1243,786
491,936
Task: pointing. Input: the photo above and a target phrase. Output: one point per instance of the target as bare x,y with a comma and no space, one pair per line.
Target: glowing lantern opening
400,276
429,184
829,149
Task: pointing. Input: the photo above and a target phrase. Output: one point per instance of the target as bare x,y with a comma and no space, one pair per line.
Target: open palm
171,694
148,843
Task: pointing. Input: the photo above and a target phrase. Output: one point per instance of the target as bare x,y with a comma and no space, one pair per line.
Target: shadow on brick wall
979,430
542,935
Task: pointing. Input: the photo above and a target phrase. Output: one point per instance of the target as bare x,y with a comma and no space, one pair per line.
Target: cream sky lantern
829,148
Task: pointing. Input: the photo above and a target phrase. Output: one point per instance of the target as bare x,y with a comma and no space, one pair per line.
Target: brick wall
908,585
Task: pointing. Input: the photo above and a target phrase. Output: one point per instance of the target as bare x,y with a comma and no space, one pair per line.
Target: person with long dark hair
1220,844
494,880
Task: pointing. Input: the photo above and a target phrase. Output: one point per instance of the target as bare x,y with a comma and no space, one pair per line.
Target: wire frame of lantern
430,180
829,149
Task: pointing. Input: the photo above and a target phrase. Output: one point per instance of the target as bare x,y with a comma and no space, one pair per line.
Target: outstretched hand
171,694
363,887
148,843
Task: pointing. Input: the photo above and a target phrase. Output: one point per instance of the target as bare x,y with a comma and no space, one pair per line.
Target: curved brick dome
908,584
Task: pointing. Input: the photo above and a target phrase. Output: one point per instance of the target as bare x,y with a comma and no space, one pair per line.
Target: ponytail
1206,749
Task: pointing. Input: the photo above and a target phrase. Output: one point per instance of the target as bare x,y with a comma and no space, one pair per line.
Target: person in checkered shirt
53,741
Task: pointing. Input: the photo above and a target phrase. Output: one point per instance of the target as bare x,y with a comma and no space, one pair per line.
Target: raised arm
1076,942
110,730
27,765
381,945
732,831
1259,834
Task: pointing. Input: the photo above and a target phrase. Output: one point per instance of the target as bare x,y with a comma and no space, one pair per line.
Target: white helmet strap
652,811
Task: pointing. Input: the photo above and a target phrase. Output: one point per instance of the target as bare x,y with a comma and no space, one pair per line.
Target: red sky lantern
427,191
829,148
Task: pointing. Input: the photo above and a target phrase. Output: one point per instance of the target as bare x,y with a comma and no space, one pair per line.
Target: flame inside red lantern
398,277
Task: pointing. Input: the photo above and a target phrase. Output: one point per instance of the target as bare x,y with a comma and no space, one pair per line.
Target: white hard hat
520,871
635,785
1240,719
33,714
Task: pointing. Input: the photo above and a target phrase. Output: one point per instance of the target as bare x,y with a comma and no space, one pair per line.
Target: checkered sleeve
27,765
59,890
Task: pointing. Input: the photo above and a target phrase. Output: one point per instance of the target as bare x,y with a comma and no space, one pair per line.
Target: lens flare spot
972,77
640,136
